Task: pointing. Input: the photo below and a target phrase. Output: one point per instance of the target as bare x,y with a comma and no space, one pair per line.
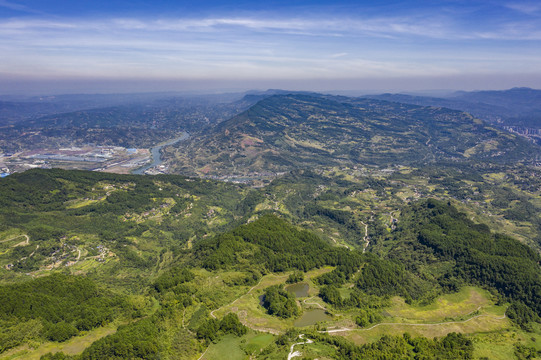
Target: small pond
311,317
299,289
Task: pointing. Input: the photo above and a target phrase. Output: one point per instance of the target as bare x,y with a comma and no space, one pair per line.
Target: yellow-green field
450,306
73,346
477,324
500,345
469,311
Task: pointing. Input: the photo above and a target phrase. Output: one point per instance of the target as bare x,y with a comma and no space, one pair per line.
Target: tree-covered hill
432,232
274,245
285,132
517,107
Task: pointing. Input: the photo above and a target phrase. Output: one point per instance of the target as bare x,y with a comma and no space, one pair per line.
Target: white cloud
430,27
315,27
251,47
18,7
339,55
525,7
12,6
421,26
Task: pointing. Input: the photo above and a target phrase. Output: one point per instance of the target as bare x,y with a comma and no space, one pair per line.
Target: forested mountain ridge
518,108
284,132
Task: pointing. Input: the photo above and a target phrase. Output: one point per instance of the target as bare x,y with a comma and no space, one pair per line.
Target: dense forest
479,256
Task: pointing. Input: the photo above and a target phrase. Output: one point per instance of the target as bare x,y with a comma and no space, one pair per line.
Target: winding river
156,154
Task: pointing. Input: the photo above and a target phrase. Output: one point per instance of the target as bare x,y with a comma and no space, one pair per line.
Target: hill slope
167,266
284,132
518,108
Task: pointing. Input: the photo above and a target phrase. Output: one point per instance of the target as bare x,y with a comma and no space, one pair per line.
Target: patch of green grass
254,344
73,346
480,324
467,301
76,204
468,311
254,315
316,350
500,345
229,348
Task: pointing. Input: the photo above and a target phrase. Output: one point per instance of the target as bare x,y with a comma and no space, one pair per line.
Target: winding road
313,303
365,239
293,353
16,237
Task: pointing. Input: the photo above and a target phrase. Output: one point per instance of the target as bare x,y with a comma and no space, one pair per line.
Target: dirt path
365,239
234,301
393,220
203,354
313,303
31,254
293,353
183,323
337,244
18,236
406,324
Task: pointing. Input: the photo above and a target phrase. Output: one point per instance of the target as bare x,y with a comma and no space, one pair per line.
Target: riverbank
156,153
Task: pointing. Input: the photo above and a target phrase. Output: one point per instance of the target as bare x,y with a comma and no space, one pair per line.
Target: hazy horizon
118,46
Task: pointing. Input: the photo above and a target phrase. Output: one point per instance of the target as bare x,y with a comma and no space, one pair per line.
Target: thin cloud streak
423,27
13,6
529,8
19,8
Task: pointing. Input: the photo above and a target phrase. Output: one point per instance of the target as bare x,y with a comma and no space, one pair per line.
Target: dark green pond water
311,317
299,289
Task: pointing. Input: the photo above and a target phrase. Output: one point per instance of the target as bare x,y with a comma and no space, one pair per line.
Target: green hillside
284,132
518,107
102,266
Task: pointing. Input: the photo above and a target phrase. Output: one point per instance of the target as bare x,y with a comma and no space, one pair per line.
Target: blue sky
58,46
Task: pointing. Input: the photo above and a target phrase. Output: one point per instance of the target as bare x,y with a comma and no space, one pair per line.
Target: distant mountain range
513,107
29,111
282,132
138,120
279,130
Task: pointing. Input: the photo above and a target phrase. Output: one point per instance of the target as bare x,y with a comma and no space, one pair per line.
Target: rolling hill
284,132
517,109
103,266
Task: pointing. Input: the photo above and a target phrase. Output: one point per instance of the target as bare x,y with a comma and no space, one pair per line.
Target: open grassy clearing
450,306
500,345
238,348
253,315
73,346
228,349
475,325
468,311
79,203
